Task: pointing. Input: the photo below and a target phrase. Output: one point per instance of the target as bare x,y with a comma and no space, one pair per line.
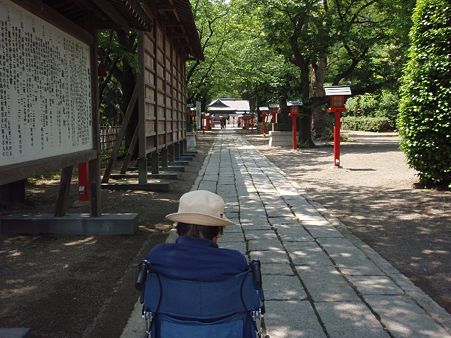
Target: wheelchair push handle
256,273
141,277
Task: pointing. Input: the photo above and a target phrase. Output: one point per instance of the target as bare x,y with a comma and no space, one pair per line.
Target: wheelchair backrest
201,300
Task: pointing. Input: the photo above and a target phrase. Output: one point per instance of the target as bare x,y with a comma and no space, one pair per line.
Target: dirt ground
82,286
374,195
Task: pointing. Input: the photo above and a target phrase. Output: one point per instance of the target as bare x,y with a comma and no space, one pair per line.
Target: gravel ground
374,195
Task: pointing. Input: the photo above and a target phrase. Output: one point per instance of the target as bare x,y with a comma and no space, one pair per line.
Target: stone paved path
319,281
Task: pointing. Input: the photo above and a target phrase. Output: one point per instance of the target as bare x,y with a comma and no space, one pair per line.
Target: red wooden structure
337,106
294,109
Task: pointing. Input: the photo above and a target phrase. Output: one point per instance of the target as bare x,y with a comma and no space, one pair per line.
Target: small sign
337,90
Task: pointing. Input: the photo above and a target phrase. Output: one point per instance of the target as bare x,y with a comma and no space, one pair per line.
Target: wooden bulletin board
46,112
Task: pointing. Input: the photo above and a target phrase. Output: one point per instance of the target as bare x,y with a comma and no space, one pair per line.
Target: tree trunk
322,122
305,128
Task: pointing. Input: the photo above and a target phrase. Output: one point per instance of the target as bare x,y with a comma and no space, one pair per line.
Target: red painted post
273,109
294,140
294,109
83,182
337,139
337,106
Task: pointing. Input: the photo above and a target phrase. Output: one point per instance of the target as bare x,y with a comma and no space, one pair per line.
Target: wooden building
49,92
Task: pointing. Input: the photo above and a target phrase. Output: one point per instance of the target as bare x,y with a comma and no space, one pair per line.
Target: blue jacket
196,259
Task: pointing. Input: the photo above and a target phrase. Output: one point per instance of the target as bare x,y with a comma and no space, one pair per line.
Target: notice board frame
18,171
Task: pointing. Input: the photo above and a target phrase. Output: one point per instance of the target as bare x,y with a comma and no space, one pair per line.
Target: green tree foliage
238,60
329,41
117,52
425,117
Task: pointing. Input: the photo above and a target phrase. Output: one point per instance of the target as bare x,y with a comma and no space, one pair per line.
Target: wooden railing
108,135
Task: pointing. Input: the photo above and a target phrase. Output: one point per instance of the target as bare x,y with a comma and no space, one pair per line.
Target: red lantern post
264,116
273,110
294,111
337,106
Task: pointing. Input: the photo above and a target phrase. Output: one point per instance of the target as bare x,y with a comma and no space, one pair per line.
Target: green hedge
425,118
377,124
382,103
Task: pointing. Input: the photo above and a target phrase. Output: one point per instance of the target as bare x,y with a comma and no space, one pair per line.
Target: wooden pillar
142,151
164,157
155,163
94,164
64,190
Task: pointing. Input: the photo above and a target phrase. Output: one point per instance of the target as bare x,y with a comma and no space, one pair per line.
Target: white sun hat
200,207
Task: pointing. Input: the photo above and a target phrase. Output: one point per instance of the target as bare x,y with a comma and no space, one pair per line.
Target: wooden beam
64,190
130,151
15,172
112,13
55,18
120,136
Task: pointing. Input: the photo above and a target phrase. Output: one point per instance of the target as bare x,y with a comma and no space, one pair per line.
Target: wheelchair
174,308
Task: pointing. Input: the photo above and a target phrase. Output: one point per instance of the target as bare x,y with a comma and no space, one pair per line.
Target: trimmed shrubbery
383,104
425,119
376,124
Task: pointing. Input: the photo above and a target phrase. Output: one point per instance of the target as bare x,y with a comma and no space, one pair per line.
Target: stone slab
404,318
232,237
179,162
307,253
259,234
326,284
161,175
280,139
277,269
177,168
375,285
323,232
255,226
162,186
281,287
292,319
70,224
350,320
239,246
294,234
207,185
265,244
269,256
14,332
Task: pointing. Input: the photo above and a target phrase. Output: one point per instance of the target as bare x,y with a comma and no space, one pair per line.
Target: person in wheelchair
195,255
193,288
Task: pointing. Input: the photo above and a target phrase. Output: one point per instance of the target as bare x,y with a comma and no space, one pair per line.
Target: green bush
381,104
425,119
363,123
388,105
